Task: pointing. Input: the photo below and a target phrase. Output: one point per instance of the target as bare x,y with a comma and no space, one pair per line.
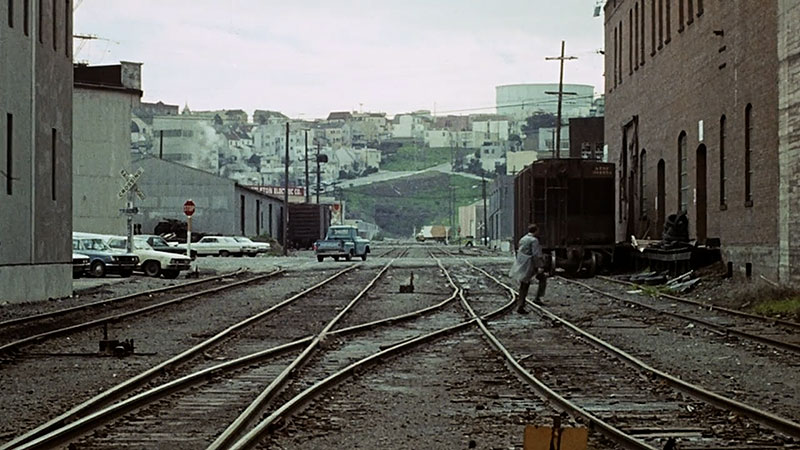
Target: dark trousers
523,290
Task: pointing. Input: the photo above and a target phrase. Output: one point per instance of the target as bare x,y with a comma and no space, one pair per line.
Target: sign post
130,188
188,209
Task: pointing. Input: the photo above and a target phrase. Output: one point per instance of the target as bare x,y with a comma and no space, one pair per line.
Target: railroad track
24,331
633,411
777,333
643,412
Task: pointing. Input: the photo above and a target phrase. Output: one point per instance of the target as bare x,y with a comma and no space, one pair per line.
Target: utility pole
561,93
286,196
318,178
308,193
485,225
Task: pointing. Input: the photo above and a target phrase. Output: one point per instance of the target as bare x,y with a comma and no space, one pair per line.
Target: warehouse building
222,205
701,117
35,151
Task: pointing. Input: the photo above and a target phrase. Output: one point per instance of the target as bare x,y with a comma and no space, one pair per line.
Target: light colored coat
528,260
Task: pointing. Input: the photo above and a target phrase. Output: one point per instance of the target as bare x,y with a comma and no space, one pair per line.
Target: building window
621,46
9,154
668,24
55,26
642,36
643,184
636,36
631,43
699,8
660,24
722,196
53,163
41,21
67,27
680,15
26,7
689,11
748,150
616,39
683,173
652,27
11,13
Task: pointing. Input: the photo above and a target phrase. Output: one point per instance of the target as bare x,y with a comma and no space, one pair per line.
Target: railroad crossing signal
130,183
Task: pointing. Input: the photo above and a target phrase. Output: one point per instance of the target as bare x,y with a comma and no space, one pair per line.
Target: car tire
364,257
151,268
320,258
98,269
349,256
224,253
125,273
194,255
170,274
335,258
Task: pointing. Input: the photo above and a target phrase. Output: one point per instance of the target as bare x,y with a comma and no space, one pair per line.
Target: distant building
222,205
516,161
500,197
35,152
586,138
520,101
188,139
701,113
470,220
103,98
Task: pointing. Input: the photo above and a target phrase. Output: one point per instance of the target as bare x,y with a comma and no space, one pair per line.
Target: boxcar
572,202
307,223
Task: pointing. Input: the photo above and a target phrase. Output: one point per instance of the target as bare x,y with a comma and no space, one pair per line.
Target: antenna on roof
598,7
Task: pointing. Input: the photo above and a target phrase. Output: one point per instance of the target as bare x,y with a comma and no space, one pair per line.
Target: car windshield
338,233
90,244
244,239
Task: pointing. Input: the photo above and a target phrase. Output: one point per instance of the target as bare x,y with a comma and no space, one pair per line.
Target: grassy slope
412,158
398,206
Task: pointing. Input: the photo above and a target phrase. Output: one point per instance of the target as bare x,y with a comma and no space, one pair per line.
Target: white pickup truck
214,246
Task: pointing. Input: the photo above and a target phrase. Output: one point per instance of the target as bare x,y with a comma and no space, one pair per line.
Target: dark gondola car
572,201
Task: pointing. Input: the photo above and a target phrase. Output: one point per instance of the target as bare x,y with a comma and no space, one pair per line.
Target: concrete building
516,161
700,103
35,151
103,98
470,220
520,101
189,140
500,195
223,206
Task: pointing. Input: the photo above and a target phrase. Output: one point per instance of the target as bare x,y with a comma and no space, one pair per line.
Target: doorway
701,206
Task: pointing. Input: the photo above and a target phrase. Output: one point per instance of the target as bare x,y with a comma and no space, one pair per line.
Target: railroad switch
408,288
115,347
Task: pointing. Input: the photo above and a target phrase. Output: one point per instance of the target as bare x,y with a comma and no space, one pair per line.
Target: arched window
748,150
643,202
723,199
683,173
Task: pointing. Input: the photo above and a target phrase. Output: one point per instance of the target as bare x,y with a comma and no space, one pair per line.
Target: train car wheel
590,264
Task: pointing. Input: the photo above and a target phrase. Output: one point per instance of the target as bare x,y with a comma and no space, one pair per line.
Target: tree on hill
538,120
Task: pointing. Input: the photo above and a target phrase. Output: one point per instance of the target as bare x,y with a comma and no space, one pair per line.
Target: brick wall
684,80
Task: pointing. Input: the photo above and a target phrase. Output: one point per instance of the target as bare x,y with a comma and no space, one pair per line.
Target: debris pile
679,284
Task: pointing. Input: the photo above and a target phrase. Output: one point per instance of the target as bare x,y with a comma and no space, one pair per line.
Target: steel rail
623,439
251,438
735,312
89,422
249,415
127,386
34,317
721,328
769,419
117,317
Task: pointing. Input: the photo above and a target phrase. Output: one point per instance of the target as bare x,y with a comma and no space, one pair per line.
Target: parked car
342,241
80,265
160,244
153,263
252,248
103,260
214,246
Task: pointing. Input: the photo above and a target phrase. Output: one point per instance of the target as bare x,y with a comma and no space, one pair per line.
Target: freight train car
307,223
572,202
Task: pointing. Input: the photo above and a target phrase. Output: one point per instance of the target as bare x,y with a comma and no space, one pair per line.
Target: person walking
528,264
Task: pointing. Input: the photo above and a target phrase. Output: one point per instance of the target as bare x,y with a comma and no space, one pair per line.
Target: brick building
701,115
586,137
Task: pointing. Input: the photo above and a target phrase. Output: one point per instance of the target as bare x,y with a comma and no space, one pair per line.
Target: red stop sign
188,208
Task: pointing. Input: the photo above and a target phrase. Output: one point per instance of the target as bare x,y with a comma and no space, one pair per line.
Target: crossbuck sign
130,183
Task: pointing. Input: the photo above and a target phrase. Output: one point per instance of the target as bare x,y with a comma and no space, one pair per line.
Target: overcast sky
307,58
